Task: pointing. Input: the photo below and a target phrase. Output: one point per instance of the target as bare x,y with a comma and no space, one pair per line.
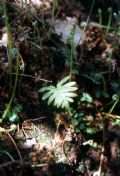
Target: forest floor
71,132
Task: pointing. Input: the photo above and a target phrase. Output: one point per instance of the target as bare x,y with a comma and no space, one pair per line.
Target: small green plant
87,122
86,98
98,79
84,123
12,115
62,95
77,121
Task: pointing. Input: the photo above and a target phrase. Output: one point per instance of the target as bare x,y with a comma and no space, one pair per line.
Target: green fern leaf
69,99
68,89
59,101
71,35
61,95
69,94
65,104
64,80
52,98
43,89
70,84
47,94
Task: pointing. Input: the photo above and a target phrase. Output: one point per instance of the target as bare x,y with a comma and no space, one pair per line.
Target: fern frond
43,89
63,81
61,95
70,39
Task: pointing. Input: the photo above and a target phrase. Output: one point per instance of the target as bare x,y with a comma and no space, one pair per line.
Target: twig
39,165
37,78
12,140
98,173
37,119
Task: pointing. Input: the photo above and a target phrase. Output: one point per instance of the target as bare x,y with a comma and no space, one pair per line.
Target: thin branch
12,140
37,78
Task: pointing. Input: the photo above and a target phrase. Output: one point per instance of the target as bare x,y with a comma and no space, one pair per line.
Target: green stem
14,89
71,59
53,17
100,16
112,108
109,20
54,8
8,154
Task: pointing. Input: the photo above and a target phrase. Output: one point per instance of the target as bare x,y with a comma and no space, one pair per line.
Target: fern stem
8,154
109,20
70,41
71,60
100,16
112,108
